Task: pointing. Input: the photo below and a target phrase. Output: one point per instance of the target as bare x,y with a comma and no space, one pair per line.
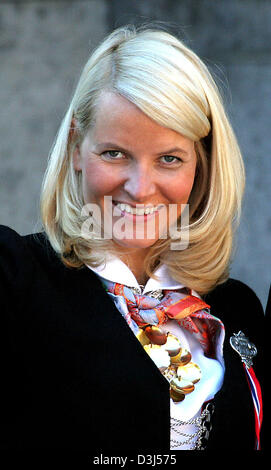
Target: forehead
118,118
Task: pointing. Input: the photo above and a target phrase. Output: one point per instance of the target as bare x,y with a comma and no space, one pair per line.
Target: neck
135,261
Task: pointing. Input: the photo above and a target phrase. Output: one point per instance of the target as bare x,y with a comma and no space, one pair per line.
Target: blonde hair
170,84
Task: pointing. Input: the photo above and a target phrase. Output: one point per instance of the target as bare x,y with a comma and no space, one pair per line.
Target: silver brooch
156,294
247,350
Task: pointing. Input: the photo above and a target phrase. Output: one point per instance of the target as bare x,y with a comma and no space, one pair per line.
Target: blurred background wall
43,47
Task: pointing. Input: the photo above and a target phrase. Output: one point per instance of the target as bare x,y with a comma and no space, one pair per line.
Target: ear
76,156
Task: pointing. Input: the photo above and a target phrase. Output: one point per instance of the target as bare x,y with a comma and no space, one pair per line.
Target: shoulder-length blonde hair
168,82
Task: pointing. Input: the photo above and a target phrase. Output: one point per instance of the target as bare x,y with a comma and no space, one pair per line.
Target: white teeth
136,211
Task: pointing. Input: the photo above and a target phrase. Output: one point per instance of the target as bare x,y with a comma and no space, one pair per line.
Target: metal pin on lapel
247,350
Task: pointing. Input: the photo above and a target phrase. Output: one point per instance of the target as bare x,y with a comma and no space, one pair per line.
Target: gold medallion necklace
174,361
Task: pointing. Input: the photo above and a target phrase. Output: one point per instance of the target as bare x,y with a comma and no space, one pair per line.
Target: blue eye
112,154
170,159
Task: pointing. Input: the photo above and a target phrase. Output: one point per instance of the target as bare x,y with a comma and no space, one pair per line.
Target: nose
140,183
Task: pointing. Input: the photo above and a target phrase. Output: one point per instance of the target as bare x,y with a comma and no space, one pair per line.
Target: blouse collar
116,270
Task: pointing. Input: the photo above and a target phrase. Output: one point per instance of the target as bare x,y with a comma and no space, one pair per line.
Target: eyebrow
111,145
174,150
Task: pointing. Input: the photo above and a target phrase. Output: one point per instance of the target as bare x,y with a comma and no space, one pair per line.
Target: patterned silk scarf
189,311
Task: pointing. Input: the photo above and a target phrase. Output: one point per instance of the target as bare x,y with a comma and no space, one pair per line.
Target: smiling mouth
140,209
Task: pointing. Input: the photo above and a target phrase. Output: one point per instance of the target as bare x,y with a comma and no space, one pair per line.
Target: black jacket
75,377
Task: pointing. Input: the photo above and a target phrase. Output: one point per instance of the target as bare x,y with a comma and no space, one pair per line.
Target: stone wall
43,46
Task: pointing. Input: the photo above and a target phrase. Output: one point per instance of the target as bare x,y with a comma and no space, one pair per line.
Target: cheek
179,190
97,182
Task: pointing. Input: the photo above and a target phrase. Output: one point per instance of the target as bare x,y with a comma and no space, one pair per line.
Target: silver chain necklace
200,436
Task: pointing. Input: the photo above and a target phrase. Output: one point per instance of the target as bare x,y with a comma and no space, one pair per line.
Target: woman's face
128,156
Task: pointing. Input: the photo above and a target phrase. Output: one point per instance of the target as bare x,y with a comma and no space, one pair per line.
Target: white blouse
212,370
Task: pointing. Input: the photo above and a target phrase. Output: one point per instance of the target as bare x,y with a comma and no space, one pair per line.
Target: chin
135,244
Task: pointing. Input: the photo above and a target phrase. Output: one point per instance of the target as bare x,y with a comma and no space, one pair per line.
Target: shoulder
232,287
12,254
14,246
24,258
21,256
233,299
9,239
268,305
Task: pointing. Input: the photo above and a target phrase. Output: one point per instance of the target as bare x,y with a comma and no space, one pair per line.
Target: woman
120,325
